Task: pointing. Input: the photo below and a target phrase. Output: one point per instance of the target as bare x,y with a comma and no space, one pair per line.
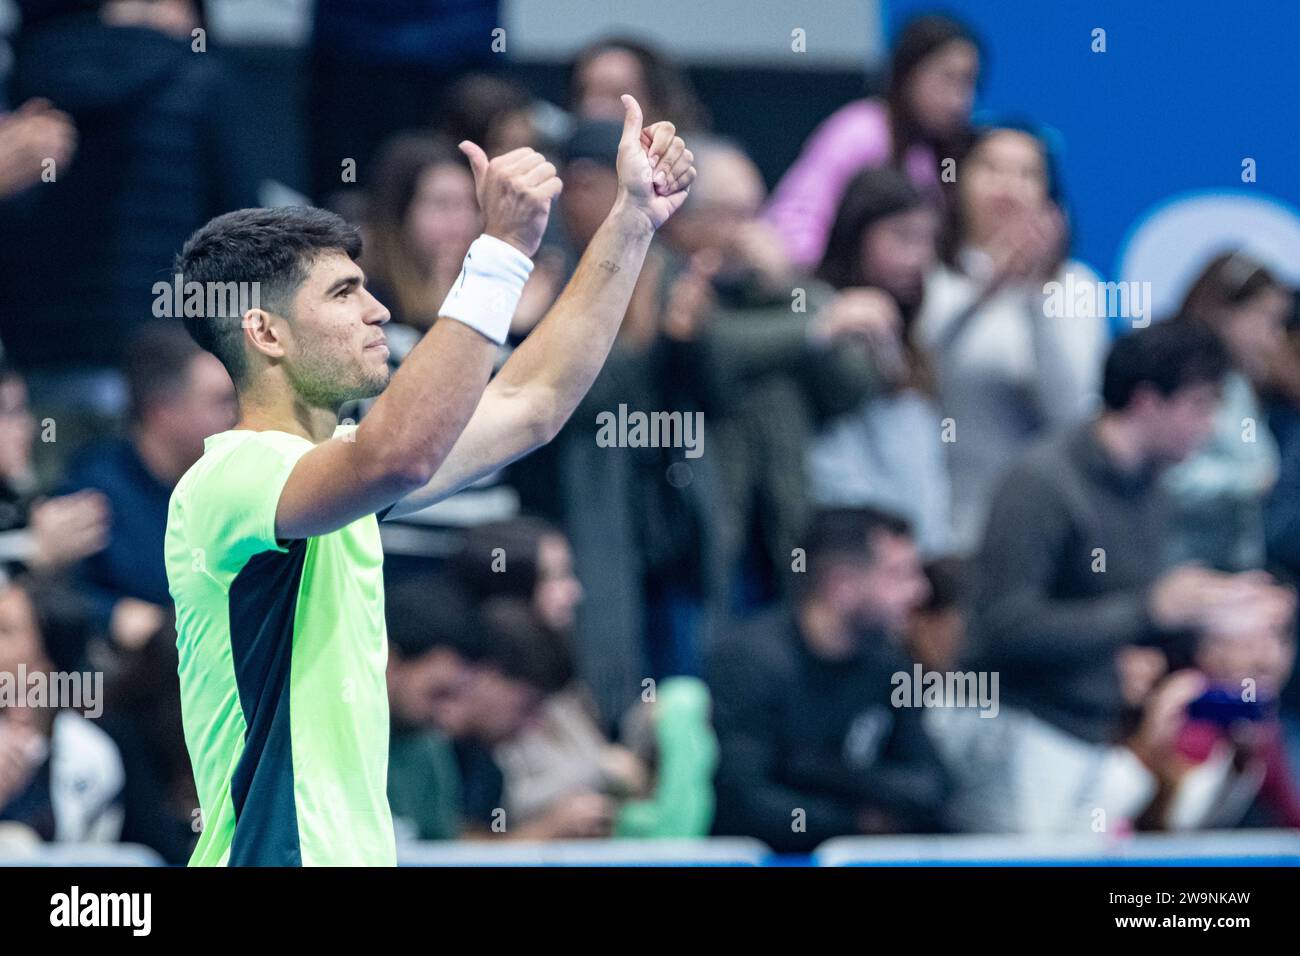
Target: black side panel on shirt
263,600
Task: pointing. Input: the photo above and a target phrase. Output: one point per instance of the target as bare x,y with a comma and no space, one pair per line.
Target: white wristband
486,293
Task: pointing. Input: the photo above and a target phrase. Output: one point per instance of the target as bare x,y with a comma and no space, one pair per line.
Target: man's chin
373,385
379,383
358,393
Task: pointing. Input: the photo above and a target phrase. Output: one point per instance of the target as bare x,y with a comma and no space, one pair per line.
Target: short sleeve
230,507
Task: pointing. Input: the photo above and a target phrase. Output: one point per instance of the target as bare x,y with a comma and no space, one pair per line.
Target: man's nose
378,312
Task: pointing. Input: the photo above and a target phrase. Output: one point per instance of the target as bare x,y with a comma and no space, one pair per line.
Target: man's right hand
654,166
515,192
1193,596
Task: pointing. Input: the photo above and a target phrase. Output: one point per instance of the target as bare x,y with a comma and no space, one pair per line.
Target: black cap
596,140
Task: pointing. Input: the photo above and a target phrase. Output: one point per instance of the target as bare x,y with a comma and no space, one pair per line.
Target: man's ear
261,332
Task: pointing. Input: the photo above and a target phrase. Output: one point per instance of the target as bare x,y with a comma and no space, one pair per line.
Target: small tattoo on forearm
609,266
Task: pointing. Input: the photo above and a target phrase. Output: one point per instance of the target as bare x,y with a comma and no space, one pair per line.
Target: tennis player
272,547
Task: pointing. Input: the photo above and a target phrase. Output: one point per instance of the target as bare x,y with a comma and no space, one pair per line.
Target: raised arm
540,385
417,419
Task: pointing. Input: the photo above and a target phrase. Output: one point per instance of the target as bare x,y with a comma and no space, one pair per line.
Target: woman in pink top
921,119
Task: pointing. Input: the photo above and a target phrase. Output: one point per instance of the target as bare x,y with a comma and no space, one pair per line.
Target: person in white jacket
1010,363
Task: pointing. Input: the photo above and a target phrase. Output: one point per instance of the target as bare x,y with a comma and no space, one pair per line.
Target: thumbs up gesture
654,165
515,192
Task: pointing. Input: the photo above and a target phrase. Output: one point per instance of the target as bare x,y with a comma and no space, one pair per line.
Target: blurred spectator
494,112
748,264
562,755
522,665
1069,575
180,395
767,355
605,70
60,775
160,804
590,186
523,572
16,439
421,218
921,121
483,681
433,633
160,150
42,534
526,558
374,72
1006,370
888,451
1282,509
1228,765
1218,494
810,745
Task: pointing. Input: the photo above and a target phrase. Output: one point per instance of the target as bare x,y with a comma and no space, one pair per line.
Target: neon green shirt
283,649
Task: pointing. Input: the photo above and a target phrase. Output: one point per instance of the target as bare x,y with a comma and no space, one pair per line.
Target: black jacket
160,150
799,733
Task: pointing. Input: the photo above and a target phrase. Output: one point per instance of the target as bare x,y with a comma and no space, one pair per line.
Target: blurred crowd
915,476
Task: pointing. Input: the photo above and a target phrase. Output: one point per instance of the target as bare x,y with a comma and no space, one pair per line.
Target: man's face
432,690
20,639
726,199
205,406
334,344
1177,425
17,427
889,585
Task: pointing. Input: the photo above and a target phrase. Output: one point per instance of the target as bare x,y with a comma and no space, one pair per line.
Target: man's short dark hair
840,535
1166,356
157,364
273,248
517,540
522,649
431,613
